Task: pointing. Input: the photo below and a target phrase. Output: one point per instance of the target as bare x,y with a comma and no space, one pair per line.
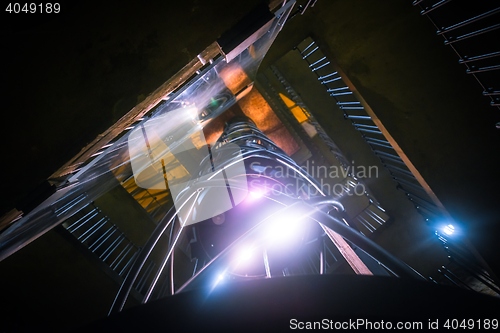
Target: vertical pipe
266,264
321,262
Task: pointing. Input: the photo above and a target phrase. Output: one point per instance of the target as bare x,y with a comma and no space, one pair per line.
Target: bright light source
284,229
245,254
448,229
256,194
218,279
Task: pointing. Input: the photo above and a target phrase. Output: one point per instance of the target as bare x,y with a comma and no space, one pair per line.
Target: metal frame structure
176,256
323,216
464,261
470,31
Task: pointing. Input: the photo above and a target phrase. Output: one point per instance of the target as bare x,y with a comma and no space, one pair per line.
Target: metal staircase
106,243
354,111
154,202
365,212
470,30
464,268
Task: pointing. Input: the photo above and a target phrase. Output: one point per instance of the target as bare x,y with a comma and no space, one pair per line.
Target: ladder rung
92,230
337,89
348,103
82,221
352,107
307,48
468,21
317,62
331,80
341,93
434,6
101,240
321,66
327,75
483,69
451,40
112,247
307,55
466,59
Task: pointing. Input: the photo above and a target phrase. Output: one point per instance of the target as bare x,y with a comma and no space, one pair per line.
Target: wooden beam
139,111
275,4
357,265
392,142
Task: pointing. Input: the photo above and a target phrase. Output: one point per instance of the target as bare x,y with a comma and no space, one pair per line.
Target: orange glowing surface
234,77
254,106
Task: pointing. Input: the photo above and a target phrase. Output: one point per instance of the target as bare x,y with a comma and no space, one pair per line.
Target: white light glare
219,279
245,254
284,228
449,229
256,194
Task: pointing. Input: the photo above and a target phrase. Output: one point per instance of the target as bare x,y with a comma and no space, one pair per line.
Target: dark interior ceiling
69,76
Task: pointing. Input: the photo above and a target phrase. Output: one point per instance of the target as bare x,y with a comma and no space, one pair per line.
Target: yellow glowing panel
173,167
296,110
198,140
178,172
